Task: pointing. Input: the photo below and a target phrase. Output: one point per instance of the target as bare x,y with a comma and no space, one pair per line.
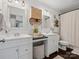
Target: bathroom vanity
19,47
50,42
14,45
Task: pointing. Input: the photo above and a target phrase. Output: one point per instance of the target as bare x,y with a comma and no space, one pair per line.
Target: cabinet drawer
15,43
25,49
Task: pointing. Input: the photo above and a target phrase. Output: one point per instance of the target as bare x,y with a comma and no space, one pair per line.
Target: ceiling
62,6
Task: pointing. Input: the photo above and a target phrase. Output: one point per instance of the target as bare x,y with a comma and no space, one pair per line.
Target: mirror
16,17
46,21
46,24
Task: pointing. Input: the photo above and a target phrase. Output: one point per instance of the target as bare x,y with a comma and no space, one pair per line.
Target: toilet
63,44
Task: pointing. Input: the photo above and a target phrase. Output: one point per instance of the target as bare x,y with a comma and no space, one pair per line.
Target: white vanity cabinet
16,49
25,52
52,44
0,6
9,53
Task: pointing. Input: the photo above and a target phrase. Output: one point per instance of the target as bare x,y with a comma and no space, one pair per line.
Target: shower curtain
70,27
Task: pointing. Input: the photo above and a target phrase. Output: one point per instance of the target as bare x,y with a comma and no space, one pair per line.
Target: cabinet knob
3,40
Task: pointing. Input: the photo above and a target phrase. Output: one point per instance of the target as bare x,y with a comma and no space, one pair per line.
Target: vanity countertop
11,37
47,34
43,38
38,39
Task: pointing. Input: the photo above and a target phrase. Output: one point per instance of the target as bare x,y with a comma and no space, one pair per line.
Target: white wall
28,27
42,6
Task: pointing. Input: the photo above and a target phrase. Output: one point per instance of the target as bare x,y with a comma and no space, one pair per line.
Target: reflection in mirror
46,24
46,21
16,20
16,17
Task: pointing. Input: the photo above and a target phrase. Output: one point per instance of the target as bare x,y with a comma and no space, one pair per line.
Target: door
10,53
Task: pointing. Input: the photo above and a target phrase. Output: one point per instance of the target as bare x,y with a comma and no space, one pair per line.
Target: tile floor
63,55
58,57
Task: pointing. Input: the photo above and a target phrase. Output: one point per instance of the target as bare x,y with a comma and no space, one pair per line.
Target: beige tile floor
58,57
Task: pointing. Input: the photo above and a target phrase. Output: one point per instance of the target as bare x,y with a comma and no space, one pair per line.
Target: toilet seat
63,45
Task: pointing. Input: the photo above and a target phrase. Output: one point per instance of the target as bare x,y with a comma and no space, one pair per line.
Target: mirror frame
24,20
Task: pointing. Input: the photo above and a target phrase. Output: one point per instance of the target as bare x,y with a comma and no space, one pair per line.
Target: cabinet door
52,44
10,53
25,51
